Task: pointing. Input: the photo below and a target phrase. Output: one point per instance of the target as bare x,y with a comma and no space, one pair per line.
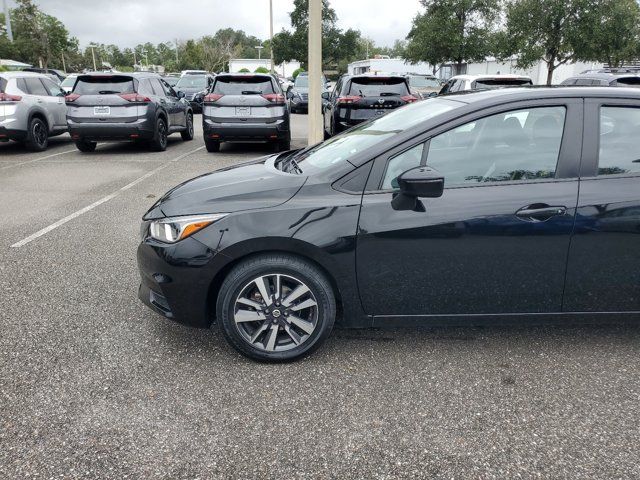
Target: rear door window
35,87
53,89
243,85
98,85
628,82
157,87
378,87
619,151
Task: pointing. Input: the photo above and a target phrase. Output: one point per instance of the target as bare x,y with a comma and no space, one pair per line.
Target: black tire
212,145
86,145
38,135
290,267
327,135
283,145
187,135
159,141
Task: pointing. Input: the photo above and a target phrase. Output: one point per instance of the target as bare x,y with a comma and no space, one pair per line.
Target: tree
39,38
261,70
549,30
613,32
453,30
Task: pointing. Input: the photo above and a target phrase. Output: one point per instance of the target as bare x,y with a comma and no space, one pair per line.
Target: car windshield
423,82
338,149
99,85
302,81
501,82
68,82
192,81
378,86
243,85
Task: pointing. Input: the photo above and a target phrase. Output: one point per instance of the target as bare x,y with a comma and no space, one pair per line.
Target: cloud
129,22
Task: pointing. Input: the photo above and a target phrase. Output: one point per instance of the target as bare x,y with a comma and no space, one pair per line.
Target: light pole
315,134
7,21
259,48
271,33
93,55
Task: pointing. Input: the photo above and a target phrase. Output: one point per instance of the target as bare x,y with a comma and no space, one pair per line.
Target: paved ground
94,385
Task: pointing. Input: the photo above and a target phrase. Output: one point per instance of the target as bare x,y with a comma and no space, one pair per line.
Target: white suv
32,109
462,83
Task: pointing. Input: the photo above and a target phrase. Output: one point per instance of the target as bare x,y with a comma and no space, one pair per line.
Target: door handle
540,212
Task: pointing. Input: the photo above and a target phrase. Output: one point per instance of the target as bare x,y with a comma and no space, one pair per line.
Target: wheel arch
295,248
42,115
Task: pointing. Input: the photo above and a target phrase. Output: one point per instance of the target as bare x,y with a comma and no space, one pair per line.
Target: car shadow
18,148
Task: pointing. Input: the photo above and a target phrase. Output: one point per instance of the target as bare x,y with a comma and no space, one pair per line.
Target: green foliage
554,30
453,30
297,72
244,70
261,70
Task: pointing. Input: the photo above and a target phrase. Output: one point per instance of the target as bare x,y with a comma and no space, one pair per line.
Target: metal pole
315,134
177,61
271,33
93,55
64,67
7,21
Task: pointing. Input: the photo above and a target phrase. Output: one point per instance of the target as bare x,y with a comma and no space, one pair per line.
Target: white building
387,65
13,64
285,69
537,73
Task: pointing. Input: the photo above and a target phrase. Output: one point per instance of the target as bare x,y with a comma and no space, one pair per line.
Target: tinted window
170,92
423,82
585,82
192,81
97,85
338,149
53,88
35,87
619,146
401,163
517,145
569,81
499,82
628,82
68,82
302,81
157,87
378,87
3,84
243,85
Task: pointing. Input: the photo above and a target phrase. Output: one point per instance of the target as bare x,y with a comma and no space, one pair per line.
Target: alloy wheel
39,132
275,313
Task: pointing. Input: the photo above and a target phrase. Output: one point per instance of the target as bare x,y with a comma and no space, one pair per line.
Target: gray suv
32,109
137,107
245,108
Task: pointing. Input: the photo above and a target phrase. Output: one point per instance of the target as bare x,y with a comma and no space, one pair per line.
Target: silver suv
32,109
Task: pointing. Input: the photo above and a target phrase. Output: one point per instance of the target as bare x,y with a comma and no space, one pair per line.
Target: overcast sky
129,22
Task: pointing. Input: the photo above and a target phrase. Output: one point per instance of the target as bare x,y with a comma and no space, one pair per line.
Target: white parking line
88,208
38,159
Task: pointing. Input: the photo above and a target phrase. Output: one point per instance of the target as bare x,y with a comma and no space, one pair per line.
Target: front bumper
297,103
175,280
245,131
143,129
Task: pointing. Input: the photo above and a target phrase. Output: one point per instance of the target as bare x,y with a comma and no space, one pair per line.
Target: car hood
250,185
300,89
190,90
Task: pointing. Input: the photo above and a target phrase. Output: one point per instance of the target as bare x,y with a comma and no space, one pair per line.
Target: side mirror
289,94
415,183
180,94
421,182
325,95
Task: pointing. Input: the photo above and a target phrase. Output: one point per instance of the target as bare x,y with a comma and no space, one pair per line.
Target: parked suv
32,109
604,78
357,98
462,83
298,93
195,87
245,108
136,106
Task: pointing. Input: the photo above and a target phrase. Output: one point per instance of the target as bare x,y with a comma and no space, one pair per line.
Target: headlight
174,229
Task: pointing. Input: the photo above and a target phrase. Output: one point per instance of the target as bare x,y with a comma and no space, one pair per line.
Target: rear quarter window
628,82
104,85
243,85
378,87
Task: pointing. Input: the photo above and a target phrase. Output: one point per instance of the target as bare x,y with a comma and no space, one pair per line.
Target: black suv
135,106
245,108
357,98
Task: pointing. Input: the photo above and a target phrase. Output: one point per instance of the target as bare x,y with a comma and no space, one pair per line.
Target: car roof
499,76
381,75
22,74
606,75
514,94
120,74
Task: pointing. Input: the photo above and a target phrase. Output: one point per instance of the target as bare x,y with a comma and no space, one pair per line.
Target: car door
176,109
55,103
497,240
39,97
329,105
603,273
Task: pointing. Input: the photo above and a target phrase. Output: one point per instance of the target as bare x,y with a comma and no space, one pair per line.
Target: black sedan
513,205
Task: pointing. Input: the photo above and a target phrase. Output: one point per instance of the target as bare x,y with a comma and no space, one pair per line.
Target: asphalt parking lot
95,385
